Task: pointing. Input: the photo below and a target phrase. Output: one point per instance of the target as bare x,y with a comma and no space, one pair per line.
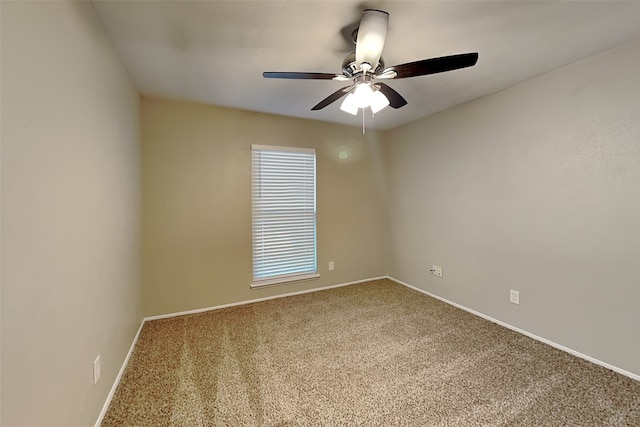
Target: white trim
521,331
283,148
283,280
118,378
234,304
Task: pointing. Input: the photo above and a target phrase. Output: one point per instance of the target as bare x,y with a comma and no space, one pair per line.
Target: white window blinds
284,214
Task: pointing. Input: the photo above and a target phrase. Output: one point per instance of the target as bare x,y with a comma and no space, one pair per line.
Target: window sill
283,280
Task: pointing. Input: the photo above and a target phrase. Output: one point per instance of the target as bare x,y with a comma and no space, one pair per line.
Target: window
284,214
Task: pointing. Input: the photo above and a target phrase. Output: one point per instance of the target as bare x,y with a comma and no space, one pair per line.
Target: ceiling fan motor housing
350,67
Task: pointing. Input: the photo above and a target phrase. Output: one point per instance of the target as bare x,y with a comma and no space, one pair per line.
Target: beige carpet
375,354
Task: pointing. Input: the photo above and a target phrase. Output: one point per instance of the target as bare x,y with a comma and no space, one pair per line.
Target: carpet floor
372,354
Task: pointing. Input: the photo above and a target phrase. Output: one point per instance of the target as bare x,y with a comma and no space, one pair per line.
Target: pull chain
363,113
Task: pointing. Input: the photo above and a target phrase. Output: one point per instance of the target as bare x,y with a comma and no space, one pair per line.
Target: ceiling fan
365,69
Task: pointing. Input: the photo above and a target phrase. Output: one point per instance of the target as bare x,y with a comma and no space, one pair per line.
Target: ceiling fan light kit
363,96
365,68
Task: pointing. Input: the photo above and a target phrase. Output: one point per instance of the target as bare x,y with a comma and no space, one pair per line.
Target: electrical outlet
514,297
436,270
96,370
331,265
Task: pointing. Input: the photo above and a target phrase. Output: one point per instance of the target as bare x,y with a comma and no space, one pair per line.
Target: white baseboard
118,378
234,304
521,331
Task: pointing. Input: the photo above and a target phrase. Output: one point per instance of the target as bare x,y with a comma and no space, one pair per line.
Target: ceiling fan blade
371,35
294,75
434,65
395,99
332,98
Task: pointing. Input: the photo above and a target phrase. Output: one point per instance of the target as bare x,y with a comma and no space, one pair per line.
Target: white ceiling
214,52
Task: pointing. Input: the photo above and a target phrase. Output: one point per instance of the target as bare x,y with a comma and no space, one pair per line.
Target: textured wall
535,188
70,214
197,203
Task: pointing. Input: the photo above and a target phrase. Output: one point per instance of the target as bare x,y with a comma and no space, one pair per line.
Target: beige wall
197,203
70,214
537,189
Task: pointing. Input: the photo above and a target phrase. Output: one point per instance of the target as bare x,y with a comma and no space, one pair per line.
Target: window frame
256,182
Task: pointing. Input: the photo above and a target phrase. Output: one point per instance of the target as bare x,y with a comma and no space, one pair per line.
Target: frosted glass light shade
363,95
378,101
350,104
